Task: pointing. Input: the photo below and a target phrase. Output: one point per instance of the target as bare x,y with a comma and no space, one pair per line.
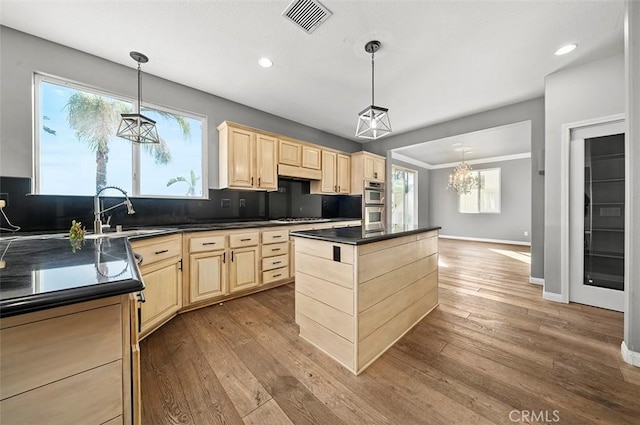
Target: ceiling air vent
306,14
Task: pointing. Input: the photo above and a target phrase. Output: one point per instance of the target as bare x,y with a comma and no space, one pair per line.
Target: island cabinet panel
73,400
355,301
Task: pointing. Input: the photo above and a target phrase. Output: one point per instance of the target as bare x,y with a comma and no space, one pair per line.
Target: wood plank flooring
493,352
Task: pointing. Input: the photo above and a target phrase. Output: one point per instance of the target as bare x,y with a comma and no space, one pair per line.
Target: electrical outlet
526,233
242,203
225,203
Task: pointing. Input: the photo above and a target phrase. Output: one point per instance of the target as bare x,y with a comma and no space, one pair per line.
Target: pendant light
373,121
136,127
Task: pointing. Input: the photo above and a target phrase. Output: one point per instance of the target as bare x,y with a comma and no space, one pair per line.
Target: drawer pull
277,236
245,240
277,262
224,257
276,249
161,251
232,256
277,275
209,243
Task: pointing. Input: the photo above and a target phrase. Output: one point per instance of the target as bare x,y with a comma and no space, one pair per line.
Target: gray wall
23,54
424,218
514,218
589,91
632,243
528,110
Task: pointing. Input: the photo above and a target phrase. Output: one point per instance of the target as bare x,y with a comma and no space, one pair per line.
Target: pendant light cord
139,87
372,77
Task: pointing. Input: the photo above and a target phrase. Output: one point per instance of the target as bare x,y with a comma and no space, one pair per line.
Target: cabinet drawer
275,262
91,397
158,249
206,243
243,239
275,275
275,236
38,353
275,249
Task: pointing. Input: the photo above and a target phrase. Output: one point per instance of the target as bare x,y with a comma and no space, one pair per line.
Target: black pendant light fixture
373,121
136,127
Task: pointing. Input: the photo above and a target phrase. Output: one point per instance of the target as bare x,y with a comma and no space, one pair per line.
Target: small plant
76,235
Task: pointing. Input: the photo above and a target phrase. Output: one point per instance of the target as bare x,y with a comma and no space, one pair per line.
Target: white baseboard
631,357
552,296
464,238
536,280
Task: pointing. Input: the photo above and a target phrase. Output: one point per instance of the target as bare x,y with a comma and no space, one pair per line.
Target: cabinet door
311,157
207,275
244,269
266,161
343,173
290,153
163,294
379,169
241,159
369,167
328,182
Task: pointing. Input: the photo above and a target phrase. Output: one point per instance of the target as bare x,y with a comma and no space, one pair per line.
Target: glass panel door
404,197
604,212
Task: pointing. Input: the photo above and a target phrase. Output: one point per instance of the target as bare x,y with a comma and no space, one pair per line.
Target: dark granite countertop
40,270
41,273
357,236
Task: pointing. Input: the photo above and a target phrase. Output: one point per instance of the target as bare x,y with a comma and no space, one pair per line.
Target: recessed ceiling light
265,62
565,49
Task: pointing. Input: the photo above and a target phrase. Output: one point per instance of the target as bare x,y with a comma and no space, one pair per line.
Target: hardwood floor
493,352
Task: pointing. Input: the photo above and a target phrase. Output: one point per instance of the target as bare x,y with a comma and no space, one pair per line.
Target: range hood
299,172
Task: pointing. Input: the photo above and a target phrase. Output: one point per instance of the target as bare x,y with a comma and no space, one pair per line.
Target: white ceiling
439,59
496,142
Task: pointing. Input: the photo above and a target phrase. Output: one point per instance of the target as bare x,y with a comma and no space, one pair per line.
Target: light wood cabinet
275,255
311,157
366,166
243,269
207,276
289,153
161,270
68,365
336,174
247,159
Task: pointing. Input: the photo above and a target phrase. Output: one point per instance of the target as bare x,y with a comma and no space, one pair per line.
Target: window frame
39,78
415,185
479,203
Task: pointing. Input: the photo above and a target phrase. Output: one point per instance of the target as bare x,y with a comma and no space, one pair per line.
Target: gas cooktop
300,220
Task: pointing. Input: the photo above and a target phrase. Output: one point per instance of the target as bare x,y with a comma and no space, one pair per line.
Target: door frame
565,193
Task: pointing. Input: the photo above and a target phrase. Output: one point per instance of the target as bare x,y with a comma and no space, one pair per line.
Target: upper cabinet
336,172
289,153
366,166
248,159
311,157
296,159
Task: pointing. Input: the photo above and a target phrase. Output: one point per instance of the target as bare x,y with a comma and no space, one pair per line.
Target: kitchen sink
126,233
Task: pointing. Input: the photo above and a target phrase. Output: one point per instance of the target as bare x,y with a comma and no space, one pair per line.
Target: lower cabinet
68,365
207,276
161,270
244,269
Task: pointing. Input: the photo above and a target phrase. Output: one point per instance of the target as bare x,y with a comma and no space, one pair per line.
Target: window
404,197
77,151
486,197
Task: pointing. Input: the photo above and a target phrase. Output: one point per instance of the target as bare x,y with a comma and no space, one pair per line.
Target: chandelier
136,127
463,178
373,121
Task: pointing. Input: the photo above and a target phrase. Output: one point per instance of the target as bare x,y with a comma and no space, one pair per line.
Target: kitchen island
68,328
357,292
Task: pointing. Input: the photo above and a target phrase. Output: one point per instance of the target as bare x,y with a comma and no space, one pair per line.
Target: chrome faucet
97,219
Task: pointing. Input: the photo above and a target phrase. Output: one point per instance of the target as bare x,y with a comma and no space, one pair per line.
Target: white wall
588,91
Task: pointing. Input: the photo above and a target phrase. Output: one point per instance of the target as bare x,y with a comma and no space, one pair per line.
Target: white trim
409,160
502,241
565,142
484,160
536,280
631,357
552,296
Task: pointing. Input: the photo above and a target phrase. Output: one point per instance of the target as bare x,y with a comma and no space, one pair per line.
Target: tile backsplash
50,212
